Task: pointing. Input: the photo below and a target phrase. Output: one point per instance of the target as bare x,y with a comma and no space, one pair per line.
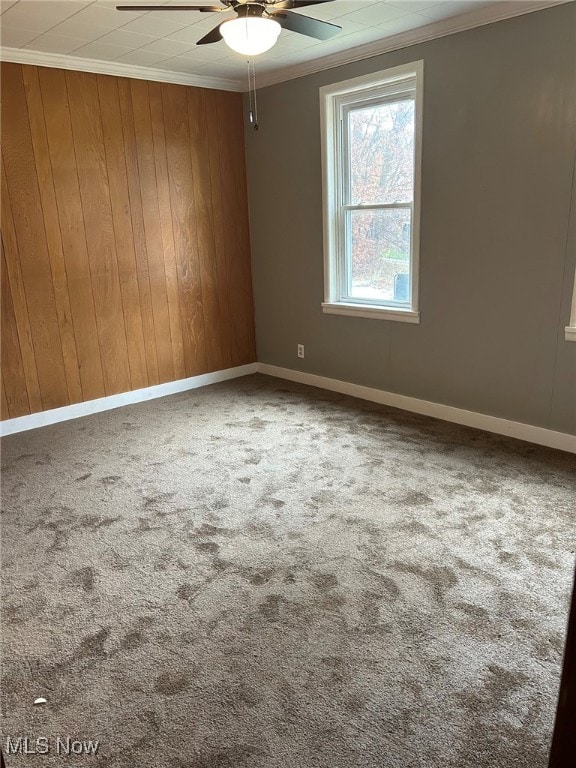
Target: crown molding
60,61
476,18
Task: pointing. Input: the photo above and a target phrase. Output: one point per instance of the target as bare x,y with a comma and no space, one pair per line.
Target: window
371,154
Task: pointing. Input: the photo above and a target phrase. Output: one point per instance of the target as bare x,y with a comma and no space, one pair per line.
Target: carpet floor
260,574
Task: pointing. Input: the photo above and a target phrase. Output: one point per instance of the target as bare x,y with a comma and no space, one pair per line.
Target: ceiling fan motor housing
249,9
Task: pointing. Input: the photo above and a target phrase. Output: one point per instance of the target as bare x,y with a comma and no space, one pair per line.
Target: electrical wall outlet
300,350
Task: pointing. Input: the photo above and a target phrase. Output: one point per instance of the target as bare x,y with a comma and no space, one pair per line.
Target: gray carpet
264,575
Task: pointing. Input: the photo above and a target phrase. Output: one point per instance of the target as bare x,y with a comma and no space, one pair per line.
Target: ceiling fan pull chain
256,126
253,108
250,113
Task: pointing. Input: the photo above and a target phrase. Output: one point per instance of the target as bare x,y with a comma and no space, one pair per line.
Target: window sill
570,333
376,313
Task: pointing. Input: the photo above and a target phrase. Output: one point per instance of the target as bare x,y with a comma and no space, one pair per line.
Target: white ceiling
90,31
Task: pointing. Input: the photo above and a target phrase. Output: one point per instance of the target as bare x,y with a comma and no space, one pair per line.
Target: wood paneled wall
125,245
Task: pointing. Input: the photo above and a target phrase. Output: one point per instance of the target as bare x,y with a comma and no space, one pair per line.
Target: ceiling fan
257,25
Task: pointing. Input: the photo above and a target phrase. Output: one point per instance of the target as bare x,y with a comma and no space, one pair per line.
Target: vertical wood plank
93,179
52,229
120,199
4,411
200,160
223,281
14,273
243,227
228,127
157,116
16,395
72,232
152,227
31,238
184,225
138,230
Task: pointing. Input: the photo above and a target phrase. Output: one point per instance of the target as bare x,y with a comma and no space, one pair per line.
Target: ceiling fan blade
201,8
293,22
299,3
212,37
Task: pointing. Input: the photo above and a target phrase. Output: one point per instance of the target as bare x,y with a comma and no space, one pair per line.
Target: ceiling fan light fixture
250,35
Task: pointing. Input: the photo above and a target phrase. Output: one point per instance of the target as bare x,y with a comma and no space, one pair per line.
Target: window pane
379,254
381,153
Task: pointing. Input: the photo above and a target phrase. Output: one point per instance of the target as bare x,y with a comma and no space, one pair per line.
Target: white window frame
334,100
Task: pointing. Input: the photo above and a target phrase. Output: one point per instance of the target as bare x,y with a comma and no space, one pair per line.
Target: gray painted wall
496,274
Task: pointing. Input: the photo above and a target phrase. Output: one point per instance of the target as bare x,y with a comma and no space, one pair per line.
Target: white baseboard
539,435
55,415
532,434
